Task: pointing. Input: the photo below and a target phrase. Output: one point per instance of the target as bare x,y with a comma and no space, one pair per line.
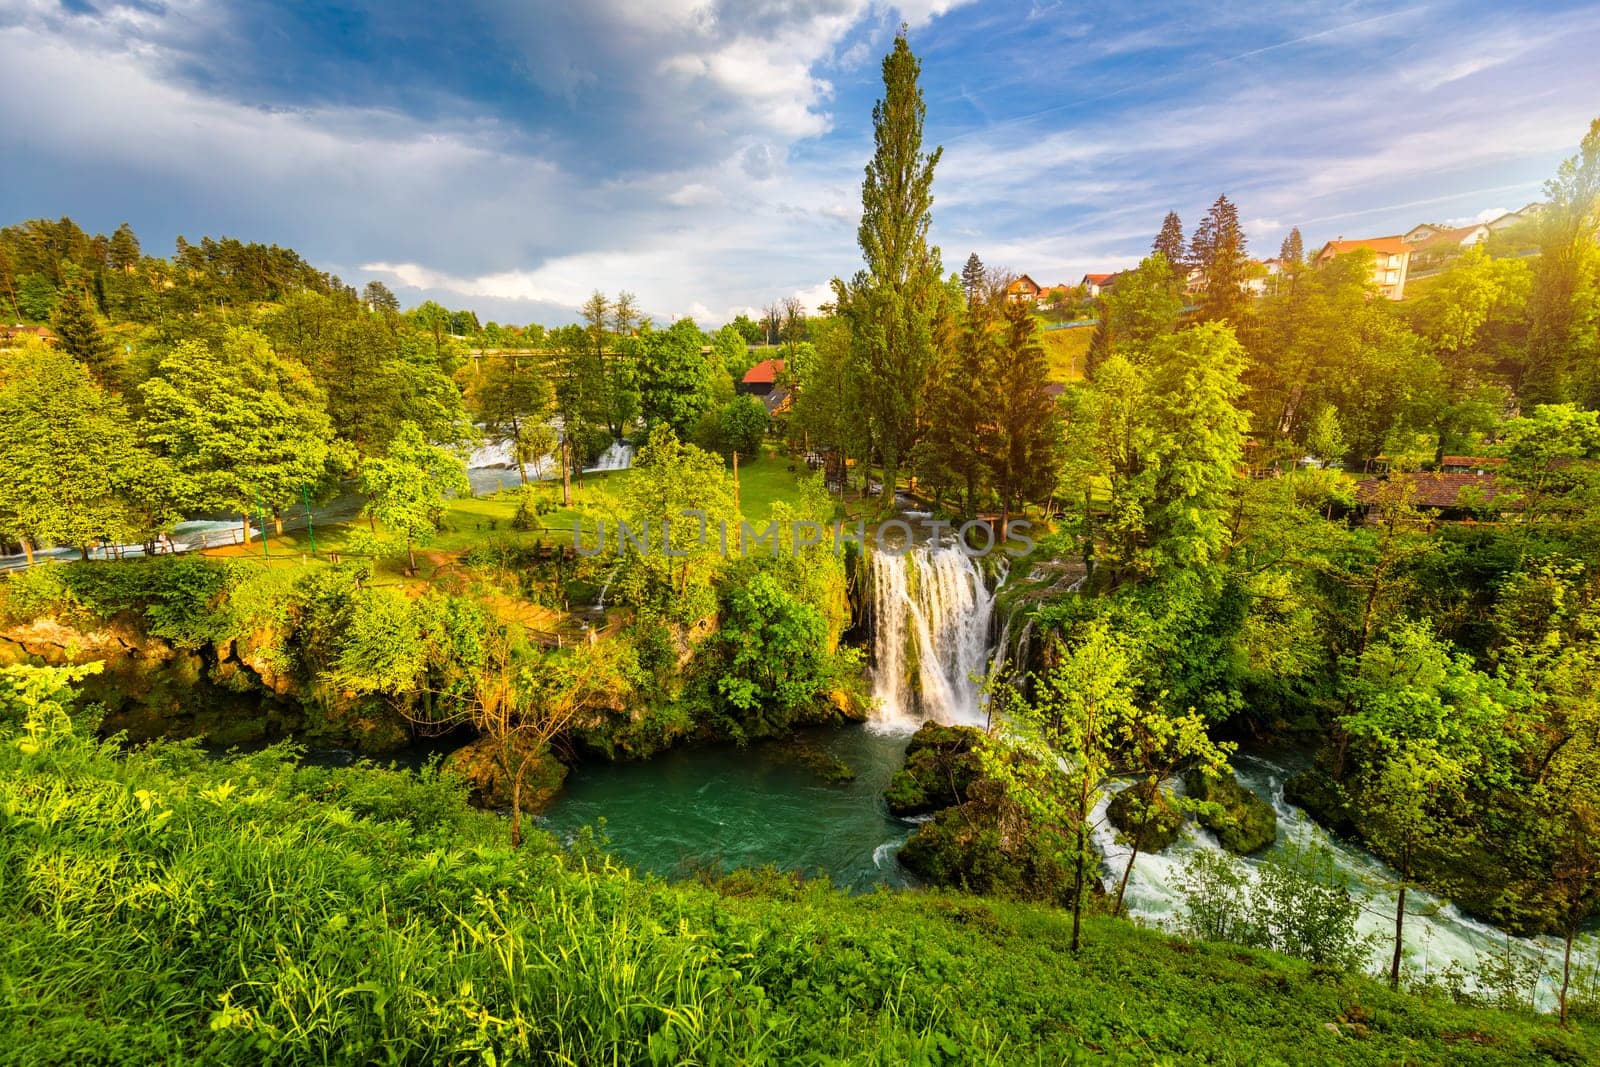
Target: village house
1452,240
12,336
1022,289
1391,260
1049,296
1092,284
1447,495
765,380
762,378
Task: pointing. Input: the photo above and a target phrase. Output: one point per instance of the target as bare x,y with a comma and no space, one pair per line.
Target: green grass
1066,350
160,907
766,481
470,521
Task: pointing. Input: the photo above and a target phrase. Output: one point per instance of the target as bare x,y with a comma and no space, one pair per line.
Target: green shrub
1297,904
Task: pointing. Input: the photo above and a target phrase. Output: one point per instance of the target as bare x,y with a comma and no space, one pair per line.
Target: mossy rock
1244,823
1164,824
984,846
940,767
805,752
1324,799
481,765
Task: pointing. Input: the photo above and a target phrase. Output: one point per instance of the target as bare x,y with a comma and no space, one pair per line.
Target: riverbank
164,908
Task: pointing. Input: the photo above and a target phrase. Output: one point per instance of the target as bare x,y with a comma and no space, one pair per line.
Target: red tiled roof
1095,279
1391,245
1018,286
1435,490
1455,236
765,371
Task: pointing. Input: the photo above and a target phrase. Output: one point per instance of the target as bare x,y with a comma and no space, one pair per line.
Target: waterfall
932,603
617,456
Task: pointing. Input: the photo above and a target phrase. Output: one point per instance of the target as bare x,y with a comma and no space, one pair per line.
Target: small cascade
618,456
931,612
492,455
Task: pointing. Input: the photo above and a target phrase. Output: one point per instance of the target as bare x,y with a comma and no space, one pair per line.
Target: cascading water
929,604
1437,933
617,456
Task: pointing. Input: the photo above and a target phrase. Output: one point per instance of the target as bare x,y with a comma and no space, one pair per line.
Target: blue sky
511,157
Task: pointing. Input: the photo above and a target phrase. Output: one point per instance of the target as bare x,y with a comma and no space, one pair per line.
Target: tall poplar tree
1566,283
890,304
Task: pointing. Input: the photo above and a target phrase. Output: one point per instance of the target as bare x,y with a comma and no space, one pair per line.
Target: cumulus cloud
707,154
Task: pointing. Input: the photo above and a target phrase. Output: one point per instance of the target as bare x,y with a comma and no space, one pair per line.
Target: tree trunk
1566,969
891,475
566,471
1399,936
411,556
277,520
244,528
27,550
1127,872
516,450
1077,890
516,806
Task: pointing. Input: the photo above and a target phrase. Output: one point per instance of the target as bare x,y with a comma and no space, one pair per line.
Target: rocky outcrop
1242,821
227,692
1161,819
985,845
940,767
489,764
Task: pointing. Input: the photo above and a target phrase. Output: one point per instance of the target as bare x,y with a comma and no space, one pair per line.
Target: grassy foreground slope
160,907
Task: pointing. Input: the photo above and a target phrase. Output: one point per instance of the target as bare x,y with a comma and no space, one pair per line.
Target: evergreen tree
79,335
1022,456
890,304
972,277
124,249
1293,250
1218,249
961,399
380,298
1169,243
